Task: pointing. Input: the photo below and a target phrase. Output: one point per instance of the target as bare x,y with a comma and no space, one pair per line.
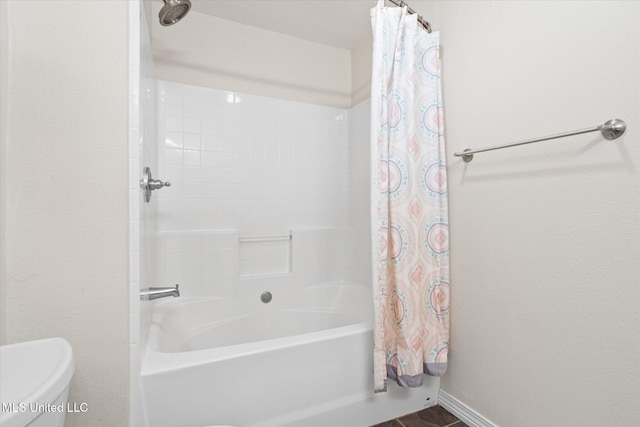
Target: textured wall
4,86
361,57
67,201
544,238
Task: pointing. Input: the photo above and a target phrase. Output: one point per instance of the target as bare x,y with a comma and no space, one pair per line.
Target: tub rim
157,362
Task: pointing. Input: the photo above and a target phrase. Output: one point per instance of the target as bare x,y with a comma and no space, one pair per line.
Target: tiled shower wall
243,167
250,163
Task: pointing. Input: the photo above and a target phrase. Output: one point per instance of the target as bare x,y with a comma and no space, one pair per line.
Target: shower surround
266,195
252,179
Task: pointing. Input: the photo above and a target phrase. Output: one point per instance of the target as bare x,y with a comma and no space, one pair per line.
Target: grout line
400,422
453,424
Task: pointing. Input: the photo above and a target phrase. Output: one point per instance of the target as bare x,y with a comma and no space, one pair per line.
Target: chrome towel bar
612,129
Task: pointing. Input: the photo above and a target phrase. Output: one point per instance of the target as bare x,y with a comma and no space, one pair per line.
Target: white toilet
34,383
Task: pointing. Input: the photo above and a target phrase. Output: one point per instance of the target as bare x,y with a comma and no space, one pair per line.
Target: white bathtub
303,359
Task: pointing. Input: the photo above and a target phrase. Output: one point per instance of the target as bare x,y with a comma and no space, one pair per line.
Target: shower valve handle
148,184
156,184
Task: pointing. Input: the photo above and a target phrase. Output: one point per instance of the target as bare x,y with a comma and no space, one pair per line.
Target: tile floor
435,416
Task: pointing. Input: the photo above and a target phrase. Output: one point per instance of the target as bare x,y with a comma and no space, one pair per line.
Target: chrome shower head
173,11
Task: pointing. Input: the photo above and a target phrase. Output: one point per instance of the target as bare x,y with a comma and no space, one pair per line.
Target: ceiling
339,23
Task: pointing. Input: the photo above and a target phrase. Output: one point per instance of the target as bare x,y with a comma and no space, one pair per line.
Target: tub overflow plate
266,297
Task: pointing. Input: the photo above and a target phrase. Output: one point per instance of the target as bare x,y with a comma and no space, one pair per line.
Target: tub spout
155,293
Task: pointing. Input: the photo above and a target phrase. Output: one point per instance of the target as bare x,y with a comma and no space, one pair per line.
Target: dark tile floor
436,416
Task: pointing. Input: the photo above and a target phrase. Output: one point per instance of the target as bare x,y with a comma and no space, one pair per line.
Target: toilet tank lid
34,372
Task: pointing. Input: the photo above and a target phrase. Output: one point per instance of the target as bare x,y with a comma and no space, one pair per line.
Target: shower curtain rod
421,20
610,130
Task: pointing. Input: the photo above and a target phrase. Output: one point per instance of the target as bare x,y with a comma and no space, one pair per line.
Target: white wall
217,53
544,238
4,86
66,193
361,57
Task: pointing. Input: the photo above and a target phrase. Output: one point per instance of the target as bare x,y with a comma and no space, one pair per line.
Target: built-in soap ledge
269,238
265,254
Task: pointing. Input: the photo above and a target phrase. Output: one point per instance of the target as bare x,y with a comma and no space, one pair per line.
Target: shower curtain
409,218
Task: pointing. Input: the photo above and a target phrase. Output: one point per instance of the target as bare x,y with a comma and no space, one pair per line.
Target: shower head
173,11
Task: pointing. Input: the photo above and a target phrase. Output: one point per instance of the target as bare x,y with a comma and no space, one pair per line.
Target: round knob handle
148,184
156,184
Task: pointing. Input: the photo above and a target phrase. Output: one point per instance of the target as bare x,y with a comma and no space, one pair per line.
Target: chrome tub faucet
155,293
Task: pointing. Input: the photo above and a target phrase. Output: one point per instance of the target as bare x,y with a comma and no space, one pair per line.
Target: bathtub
303,359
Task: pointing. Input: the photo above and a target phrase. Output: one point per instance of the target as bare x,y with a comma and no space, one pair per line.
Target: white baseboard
462,411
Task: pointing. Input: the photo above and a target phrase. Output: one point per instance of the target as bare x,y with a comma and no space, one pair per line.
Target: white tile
209,142
192,107
192,190
209,190
209,109
188,207
209,206
173,156
226,144
192,141
209,158
191,157
192,174
226,160
173,106
173,173
173,123
173,139
191,124
209,272
164,207
227,128
174,273
209,175
209,125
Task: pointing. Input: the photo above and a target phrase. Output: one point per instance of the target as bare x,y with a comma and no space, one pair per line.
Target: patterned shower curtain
409,218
